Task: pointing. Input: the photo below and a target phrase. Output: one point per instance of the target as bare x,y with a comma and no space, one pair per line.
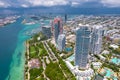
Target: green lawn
32,49
53,72
34,73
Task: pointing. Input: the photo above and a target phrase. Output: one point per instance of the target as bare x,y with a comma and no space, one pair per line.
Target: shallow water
12,49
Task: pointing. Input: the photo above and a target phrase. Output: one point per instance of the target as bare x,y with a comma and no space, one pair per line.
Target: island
8,20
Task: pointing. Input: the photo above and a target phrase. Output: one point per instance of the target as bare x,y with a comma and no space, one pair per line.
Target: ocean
12,49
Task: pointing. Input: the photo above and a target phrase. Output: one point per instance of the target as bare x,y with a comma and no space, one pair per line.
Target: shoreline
25,58
26,68
14,65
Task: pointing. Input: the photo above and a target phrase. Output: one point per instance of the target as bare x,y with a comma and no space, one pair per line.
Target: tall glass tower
82,46
61,42
47,31
57,28
96,39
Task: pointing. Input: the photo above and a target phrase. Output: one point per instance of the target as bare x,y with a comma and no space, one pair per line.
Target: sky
51,3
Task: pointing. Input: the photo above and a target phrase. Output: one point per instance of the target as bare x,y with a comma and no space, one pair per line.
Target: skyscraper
47,31
96,39
61,42
57,28
82,46
65,18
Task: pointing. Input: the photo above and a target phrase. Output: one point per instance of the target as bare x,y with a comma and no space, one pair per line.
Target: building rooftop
114,46
57,19
47,26
86,73
105,52
97,26
34,63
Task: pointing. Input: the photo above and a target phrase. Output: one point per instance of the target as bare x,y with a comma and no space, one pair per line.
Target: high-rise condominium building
82,46
96,39
47,31
61,42
57,28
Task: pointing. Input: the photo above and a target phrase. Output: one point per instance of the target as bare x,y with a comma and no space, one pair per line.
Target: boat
30,23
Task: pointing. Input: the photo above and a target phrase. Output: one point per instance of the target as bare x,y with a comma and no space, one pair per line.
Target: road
27,49
53,54
44,67
49,51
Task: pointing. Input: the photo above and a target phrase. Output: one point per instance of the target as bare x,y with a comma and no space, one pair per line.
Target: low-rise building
71,38
102,58
96,64
34,63
114,46
80,74
105,52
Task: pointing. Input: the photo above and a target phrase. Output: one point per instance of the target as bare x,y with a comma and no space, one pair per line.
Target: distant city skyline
50,3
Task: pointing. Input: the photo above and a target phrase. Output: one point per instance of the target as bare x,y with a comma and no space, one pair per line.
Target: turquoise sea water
8,43
18,58
12,49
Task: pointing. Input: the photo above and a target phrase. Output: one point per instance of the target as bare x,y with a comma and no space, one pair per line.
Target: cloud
49,3
24,5
111,3
75,4
3,4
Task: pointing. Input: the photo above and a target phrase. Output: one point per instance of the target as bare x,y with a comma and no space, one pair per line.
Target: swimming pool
68,49
108,73
115,60
115,78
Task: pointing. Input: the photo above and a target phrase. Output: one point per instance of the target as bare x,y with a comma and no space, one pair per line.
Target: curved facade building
61,42
82,46
57,28
96,39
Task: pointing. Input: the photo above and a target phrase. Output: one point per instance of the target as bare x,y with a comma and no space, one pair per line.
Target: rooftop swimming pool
68,49
115,60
